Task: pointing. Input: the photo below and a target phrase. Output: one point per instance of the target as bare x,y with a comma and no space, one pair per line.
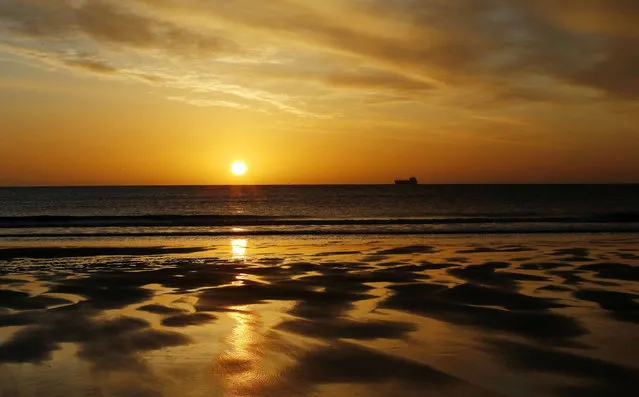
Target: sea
460,290
129,211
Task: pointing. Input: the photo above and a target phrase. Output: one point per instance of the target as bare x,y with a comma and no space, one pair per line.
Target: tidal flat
511,315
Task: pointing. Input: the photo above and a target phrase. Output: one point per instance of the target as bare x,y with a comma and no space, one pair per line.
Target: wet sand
275,316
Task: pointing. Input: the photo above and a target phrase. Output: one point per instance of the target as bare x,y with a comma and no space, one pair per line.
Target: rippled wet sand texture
461,316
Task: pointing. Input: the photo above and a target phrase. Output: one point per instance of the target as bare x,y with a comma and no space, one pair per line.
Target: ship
410,181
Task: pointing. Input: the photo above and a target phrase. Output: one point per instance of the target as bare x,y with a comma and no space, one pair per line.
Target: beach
337,198
425,315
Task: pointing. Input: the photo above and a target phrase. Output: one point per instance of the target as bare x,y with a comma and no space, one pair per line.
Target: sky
134,92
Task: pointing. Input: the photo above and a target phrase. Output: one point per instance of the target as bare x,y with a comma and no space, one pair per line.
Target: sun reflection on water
239,367
241,336
238,249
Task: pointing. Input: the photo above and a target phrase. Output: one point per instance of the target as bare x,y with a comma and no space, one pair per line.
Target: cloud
612,65
616,73
469,43
193,83
199,84
117,40
71,60
381,52
375,81
616,18
105,22
201,102
92,65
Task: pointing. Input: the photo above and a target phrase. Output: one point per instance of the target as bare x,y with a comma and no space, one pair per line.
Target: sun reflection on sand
255,357
238,249
239,367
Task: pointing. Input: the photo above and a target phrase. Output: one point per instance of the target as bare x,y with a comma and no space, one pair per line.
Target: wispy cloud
375,52
207,102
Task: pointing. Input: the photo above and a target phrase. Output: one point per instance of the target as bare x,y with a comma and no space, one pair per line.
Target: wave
25,222
320,232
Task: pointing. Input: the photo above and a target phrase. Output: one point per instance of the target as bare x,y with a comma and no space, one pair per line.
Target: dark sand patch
483,296
270,261
489,250
570,277
11,281
341,267
603,378
342,328
302,266
374,258
577,259
186,320
268,272
109,345
355,281
554,288
103,296
521,259
617,271
626,255
28,347
397,274
344,363
315,311
425,265
20,318
574,252
23,301
331,301
63,252
161,309
486,274
115,289
542,265
410,249
622,305
457,259
36,343
122,351
391,264
336,253
431,300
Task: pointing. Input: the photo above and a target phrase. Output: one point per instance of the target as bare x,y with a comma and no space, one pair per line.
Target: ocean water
319,291
303,209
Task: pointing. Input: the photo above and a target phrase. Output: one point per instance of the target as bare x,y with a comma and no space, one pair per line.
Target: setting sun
239,168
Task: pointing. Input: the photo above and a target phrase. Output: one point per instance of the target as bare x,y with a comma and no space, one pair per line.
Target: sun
239,168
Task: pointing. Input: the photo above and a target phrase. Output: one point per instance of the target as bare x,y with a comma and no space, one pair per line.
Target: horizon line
331,184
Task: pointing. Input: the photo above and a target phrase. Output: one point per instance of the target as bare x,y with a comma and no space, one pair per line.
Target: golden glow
238,249
389,98
239,168
239,366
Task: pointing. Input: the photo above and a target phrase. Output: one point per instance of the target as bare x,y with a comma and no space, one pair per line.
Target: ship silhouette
410,181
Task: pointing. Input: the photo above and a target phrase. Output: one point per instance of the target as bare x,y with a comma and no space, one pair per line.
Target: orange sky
100,92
